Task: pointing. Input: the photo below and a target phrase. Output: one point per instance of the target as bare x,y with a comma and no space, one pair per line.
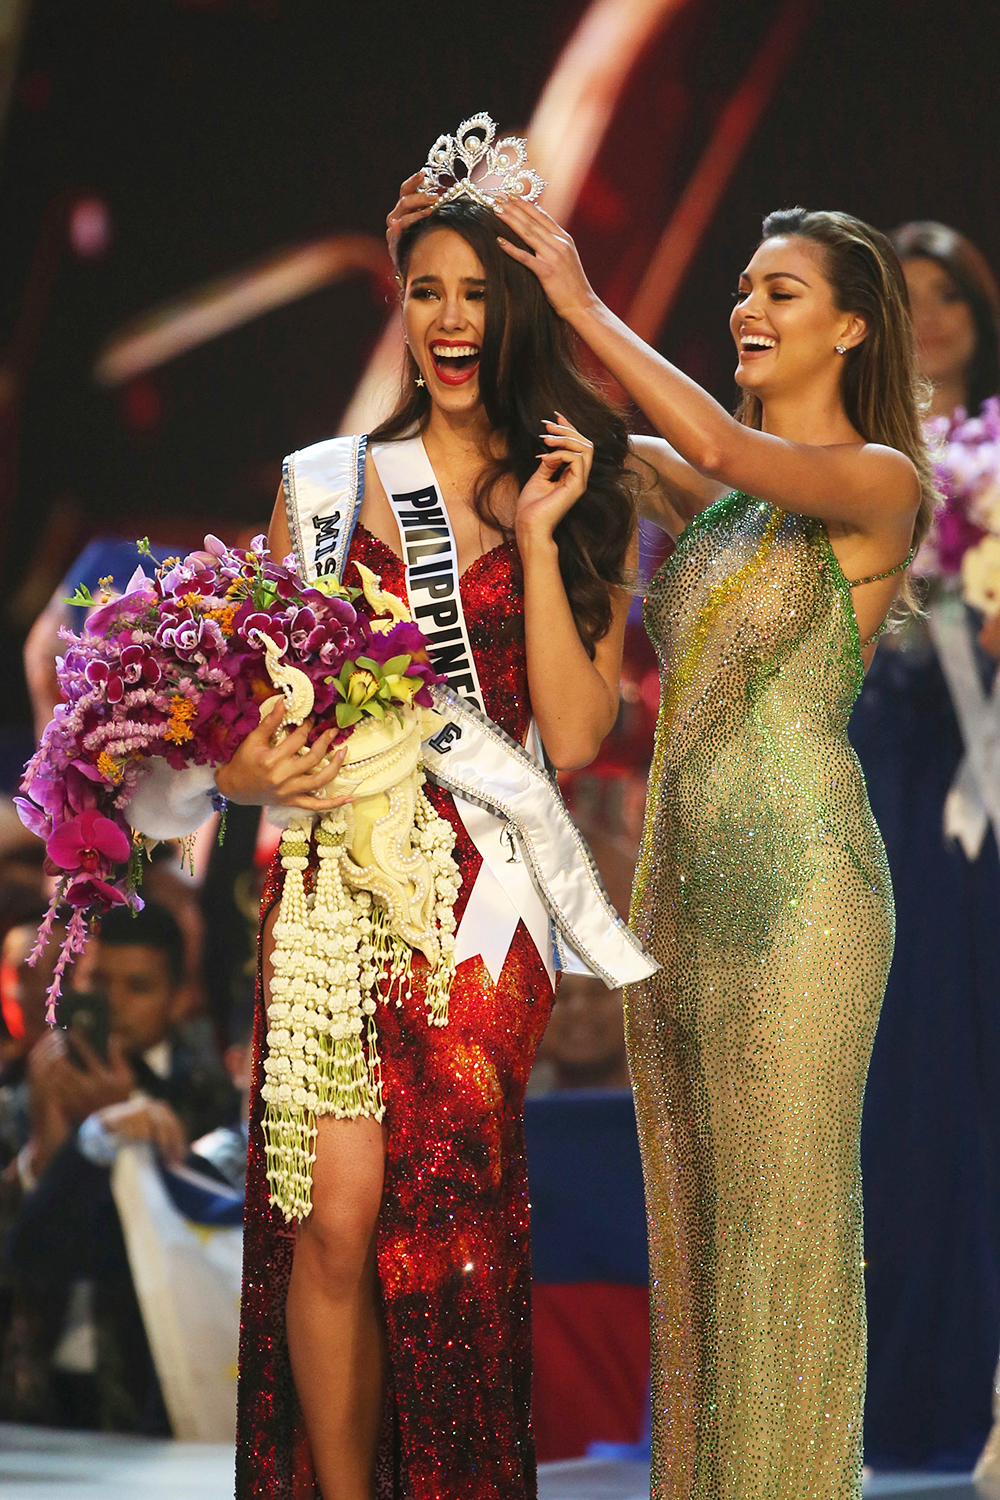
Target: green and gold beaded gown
763,890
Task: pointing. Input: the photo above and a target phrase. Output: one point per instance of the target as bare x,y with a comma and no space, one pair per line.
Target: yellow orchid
362,686
403,688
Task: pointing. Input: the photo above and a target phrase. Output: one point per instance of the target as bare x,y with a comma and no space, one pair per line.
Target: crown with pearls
468,165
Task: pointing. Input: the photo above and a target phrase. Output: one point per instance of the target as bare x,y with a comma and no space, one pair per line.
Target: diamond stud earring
841,348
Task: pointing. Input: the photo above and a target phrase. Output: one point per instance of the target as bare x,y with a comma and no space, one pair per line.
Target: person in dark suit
79,1316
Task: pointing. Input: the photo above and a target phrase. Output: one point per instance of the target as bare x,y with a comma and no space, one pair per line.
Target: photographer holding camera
120,1072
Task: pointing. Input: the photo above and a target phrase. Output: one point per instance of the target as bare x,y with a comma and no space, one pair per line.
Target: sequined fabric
762,888
453,1251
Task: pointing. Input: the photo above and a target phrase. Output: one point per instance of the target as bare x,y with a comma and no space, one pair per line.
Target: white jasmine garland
335,956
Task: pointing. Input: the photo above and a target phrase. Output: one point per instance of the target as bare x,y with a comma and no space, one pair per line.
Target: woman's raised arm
279,538
574,697
865,486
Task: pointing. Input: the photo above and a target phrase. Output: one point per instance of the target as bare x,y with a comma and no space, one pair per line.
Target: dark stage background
216,132
152,145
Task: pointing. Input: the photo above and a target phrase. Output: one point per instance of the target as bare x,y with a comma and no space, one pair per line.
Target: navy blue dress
931,1135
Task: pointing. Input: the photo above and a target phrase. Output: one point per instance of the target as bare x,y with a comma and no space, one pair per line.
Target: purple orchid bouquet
177,667
966,453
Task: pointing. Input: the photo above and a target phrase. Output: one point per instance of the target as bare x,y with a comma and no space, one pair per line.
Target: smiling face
942,321
784,322
444,317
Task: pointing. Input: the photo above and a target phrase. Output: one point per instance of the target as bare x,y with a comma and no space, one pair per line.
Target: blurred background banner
187,1278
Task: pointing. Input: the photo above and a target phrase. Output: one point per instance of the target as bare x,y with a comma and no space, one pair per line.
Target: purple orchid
138,664
267,624
100,674
90,890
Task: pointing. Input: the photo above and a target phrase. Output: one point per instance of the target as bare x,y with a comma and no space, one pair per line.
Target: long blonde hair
885,397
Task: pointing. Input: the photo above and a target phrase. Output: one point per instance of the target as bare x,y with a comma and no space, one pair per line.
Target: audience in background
75,1351
584,1043
225,1148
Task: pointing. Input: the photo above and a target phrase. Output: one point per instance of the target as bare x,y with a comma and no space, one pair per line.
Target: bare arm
671,492
279,538
40,651
870,488
574,699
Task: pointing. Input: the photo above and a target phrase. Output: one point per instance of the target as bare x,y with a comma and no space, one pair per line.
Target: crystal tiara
468,165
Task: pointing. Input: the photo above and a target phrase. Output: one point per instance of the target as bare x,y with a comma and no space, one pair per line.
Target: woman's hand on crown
554,259
263,774
558,482
413,204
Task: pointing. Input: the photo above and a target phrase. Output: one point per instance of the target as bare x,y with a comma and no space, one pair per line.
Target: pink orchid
90,890
33,818
88,842
99,674
140,665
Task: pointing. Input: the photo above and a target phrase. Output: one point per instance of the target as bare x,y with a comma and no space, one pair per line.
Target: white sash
431,559
504,892
324,486
536,867
973,801
479,764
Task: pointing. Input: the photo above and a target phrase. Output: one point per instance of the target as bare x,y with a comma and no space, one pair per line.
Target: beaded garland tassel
385,884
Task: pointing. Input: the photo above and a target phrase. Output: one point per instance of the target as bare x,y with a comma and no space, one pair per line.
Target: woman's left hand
555,261
549,493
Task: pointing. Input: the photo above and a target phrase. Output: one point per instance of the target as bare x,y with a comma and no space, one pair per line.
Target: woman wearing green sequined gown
762,885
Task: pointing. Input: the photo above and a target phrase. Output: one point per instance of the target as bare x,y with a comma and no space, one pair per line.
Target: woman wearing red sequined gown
386,1338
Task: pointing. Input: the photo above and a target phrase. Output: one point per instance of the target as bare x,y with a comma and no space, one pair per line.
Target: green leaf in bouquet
347,715
83,598
264,593
133,877
396,666
370,666
374,707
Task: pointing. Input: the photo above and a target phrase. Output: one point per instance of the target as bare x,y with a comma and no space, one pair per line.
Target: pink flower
137,598
88,842
33,818
99,674
140,665
90,890
269,625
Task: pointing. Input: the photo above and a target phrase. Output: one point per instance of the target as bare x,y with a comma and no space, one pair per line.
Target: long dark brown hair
884,395
925,239
528,371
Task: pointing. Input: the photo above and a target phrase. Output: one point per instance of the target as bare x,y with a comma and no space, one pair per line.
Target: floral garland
334,955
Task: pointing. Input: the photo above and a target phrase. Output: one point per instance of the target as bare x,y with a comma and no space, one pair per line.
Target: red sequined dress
453,1248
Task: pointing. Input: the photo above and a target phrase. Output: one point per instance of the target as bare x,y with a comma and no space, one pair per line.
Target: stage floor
39,1464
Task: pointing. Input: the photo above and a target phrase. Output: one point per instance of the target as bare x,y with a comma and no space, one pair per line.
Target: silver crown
468,165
